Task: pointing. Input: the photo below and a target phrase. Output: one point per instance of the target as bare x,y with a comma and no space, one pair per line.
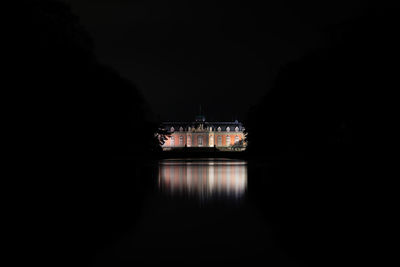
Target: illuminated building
223,136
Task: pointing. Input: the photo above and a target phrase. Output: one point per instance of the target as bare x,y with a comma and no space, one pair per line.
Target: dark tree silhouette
327,125
75,106
325,100
72,117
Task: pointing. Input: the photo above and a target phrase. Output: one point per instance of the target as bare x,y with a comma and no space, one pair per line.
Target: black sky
221,55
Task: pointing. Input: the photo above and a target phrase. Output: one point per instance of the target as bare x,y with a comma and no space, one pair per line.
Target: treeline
71,105
72,121
334,99
325,130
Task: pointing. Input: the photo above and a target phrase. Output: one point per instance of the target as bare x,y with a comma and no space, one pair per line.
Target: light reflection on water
203,178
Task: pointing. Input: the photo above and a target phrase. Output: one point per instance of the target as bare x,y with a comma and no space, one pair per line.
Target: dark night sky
223,56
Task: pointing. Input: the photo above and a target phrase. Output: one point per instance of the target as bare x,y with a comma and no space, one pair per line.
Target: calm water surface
203,179
198,214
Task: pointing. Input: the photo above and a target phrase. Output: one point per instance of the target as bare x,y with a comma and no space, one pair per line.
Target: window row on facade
219,129
203,140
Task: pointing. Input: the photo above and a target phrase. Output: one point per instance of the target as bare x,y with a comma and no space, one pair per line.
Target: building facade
224,136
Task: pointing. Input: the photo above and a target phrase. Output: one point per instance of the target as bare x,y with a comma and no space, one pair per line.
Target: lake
199,213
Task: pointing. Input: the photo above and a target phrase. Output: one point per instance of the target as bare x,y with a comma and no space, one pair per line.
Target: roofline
207,122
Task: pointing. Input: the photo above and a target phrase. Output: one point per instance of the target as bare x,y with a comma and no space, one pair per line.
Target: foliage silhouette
318,103
77,107
324,128
74,120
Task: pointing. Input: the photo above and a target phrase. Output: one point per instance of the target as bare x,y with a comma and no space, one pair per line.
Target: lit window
181,140
228,129
172,141
219,140
219,129
189,129
237,129
236,138
200,140
189,140
228,140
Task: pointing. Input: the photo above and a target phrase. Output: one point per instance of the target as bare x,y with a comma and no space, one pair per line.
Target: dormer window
189,129
237,129
172,129
210,129
181,129
228,129
219,129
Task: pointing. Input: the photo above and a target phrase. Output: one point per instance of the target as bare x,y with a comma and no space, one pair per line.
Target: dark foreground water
199,213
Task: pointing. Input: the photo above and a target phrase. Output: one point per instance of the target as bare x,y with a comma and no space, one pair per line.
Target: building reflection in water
204,178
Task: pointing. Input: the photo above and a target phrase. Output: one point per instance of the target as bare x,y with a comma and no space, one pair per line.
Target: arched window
172,129
181,129
189,140
228,129
219,129
219,140
237,129
228,140
172,140
189,129
200,140
210,129
181,140
211,140
236,139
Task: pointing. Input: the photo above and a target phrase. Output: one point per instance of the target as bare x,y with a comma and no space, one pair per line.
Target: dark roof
215,125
